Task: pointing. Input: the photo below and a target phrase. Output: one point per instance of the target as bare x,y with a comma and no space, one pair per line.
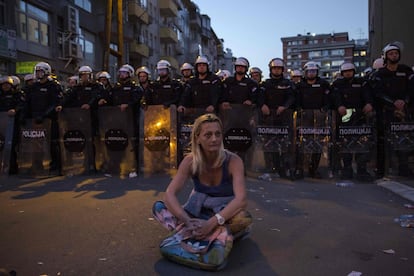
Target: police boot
405,171
363,175
347,173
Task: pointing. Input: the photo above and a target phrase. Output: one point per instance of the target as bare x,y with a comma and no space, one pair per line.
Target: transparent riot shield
185,126
313,130
75,138
399,145
6,139
160,140
34,149
118,144
355,133
314,140
274,141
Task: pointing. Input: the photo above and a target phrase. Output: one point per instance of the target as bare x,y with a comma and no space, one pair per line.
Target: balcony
137,14
168,8
138,49
168,35
172,60
195,21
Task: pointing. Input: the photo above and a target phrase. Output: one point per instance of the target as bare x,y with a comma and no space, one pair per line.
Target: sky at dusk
253,29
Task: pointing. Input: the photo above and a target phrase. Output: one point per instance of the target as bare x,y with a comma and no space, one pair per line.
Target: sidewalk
402,187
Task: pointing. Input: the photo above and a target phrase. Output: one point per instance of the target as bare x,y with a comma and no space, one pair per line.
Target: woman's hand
202,228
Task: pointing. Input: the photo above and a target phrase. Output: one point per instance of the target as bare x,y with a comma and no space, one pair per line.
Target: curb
402,190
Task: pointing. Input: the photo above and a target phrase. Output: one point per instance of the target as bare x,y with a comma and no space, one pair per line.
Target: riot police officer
239,88
353,101
202,91
223,74
104,78
43,100
187,72
312,92
11,102
144,80
165,90
296,76
393,93
256,74
276,98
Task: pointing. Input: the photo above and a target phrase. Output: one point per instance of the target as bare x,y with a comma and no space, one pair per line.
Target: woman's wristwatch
220,219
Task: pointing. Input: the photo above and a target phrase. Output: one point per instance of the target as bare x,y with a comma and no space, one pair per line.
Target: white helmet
186,66
367,70
85,70
296,73
390,47
16,81
223,74
347,66
103,74
276,62
310,65
29,77
241,61
43,66
143,69
201,59
255,70
378,63
127,68
6,79
163,64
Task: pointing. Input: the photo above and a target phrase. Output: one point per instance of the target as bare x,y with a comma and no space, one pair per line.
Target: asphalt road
103,226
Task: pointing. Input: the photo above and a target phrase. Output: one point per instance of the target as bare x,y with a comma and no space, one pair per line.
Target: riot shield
6,139
275,132
238,128
75,138
118,144
355,134
185,126
34,149
313,131
401,135
160,140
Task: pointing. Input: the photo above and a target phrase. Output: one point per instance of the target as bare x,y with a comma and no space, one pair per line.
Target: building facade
71,33
328,50
389,21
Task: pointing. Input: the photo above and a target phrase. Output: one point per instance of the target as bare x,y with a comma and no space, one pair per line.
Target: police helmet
378,63
186,66
296,73
85,70
201,59
242,61
163,64
310,65
347,66
143,69
255,70
45,67
29,77
276,62
103,74
6,79
127,68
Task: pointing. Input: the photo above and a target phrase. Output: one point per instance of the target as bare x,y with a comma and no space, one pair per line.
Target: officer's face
39,74
6,86
393,56
241,70
276,70
256,76
142,77
348,74
202,68
311,74
163,72
123,75
186,72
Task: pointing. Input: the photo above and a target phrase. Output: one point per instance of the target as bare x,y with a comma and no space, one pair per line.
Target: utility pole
108,33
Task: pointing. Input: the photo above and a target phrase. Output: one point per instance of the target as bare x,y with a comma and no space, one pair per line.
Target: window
84,4
315,54
33,24
86,40
337,63
2,13
338,52
363,53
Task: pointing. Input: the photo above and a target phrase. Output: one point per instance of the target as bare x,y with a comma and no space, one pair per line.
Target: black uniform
237,92
312,96
353,94
201,93
165,93
388,87
40,102
12,99
276,92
